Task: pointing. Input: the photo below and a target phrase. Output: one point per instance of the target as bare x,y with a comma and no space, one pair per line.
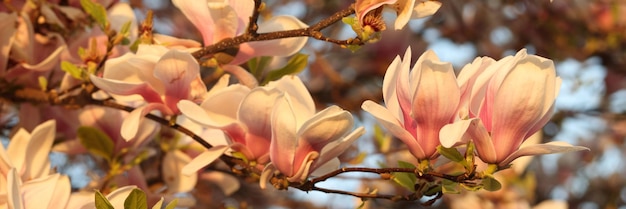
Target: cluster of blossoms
274,128
495,104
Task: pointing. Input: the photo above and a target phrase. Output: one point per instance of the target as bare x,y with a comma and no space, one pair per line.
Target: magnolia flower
161,76
50,191
419,102
405,9
244,115
513,99
220,19
304,143
37,55
28,153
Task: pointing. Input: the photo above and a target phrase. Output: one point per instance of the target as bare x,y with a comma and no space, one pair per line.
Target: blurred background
585,38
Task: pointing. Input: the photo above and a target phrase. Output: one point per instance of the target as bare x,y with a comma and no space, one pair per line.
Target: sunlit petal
176,69
197,11
284,141
38,150
204,159
540,149
173,164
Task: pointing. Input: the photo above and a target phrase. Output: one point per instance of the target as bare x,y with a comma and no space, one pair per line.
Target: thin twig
313,31
253,25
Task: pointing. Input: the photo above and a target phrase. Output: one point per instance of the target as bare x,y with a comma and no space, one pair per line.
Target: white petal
425,8
279,47
15,192
337,147
300,98
204,159
118,196
120,14
226,182
327,167
173,164
284,138
256,110
244,77
540,149
328,125
453,133
267,173
38,150
198,13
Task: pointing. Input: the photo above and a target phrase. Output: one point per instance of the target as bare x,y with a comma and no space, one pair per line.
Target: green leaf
449,187
136,200
450,153
172,204
406,180
72,69
296,64
491,184
97,12
258,64
382,140
102,202
125,30
96,141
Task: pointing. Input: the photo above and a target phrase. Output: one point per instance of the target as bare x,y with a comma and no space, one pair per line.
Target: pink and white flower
511,100
160,76
419,102
306,144
220,19
405,9
244,115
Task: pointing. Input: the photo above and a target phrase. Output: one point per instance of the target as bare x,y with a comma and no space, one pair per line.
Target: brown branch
253,25
313,31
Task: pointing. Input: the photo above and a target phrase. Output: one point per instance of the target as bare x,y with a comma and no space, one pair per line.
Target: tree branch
313,31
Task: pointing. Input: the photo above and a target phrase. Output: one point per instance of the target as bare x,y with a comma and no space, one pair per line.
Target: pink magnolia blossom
243,114
220,19
511,100
160,76
405,9
304,143
419,102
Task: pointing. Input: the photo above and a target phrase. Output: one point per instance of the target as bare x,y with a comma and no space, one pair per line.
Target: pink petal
482,140
522,100
327,167
204,159
244,9
386,118
540,149
197,11
267,173
434,103
280,47
284,138
303,167
176,70
122,88
51,61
